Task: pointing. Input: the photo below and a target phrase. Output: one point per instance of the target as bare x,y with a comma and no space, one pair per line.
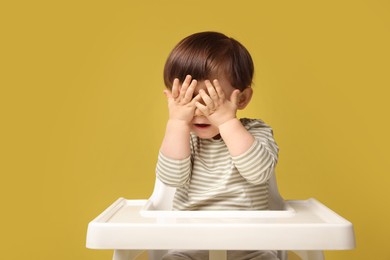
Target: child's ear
244,97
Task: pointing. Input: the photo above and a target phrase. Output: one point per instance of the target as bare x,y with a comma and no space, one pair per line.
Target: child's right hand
181,103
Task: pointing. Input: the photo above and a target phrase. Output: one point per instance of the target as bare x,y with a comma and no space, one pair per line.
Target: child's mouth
202,125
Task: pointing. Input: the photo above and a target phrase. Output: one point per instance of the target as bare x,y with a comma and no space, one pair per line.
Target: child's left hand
217,108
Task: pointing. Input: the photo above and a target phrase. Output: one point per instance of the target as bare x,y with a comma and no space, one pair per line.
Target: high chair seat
306,227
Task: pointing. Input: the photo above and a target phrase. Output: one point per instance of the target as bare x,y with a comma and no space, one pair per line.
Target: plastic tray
304,225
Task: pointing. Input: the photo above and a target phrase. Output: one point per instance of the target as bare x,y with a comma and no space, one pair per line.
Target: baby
215,160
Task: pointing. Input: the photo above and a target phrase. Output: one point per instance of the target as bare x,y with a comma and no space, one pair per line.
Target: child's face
200,125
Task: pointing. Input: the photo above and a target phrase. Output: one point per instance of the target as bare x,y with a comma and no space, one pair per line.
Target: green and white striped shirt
211,179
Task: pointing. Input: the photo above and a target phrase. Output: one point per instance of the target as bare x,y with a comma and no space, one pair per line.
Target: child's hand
181,103
217,108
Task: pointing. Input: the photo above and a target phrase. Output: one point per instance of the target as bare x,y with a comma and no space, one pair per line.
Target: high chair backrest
162,196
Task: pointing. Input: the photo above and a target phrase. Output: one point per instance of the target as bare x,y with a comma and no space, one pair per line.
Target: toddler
215,160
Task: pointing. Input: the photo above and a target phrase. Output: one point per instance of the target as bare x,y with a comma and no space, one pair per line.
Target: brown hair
202,55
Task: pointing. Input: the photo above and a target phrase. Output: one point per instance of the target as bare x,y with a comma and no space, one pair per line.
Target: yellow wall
83,114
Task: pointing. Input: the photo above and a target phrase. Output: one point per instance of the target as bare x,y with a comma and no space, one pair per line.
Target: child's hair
206,54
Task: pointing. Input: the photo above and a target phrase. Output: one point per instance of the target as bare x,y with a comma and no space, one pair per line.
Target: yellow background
83,114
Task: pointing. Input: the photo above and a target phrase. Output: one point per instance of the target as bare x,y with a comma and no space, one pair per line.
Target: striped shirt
211,179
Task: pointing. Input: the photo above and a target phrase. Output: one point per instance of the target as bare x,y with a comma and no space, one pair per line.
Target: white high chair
132,226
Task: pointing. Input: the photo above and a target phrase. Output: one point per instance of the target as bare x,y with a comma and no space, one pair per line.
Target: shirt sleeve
258,163
174,173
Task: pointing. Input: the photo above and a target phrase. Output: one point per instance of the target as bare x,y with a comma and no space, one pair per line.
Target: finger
175,88
190,91
218,89
234,98
211,89
202,108
206,99
198,112
185,85
195,99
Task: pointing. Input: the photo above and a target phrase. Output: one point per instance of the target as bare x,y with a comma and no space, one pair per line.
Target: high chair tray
304,225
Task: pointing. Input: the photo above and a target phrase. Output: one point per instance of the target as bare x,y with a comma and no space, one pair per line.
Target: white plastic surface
147,211
307,225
